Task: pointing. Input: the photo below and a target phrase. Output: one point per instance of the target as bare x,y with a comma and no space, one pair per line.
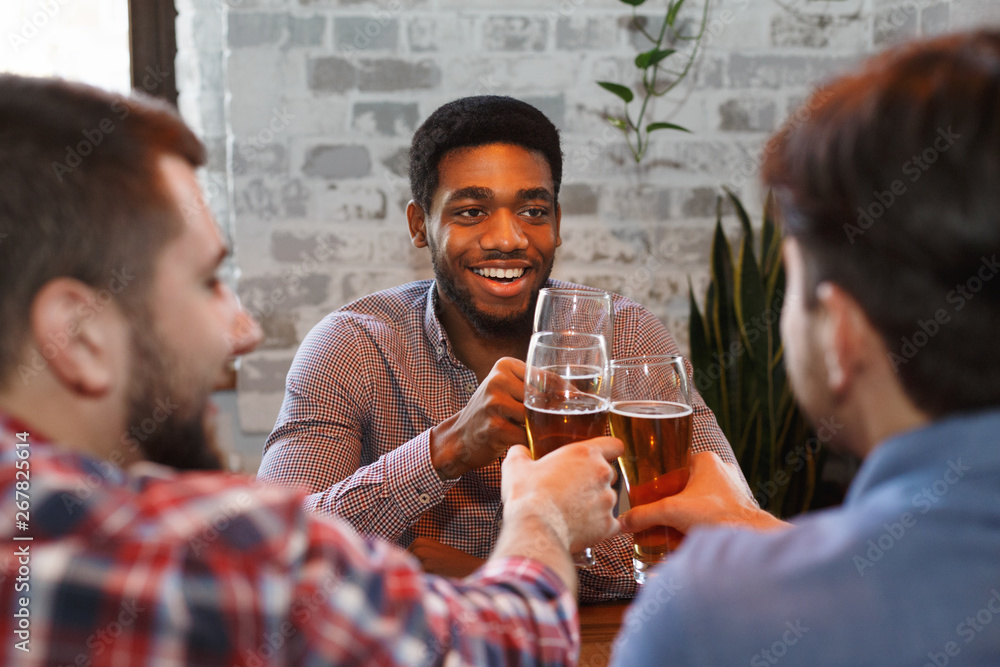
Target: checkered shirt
154,567
368,383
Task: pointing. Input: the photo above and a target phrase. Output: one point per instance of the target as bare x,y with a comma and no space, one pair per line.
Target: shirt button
471,388
424,498
440,349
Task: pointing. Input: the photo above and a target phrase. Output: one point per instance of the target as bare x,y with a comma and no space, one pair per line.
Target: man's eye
534,212
472,213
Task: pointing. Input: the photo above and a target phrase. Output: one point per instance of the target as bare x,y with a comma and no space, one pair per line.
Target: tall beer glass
577,309
651,413
566,394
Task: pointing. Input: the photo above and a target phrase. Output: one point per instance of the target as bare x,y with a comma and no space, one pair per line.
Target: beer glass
575,309
651,413
566,394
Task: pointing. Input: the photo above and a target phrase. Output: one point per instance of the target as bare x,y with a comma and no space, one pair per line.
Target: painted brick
246,30
307,31
308,252
386,118
935,19
352,204
332,75
748,114
515,33
817,31
581,32
263,375
398,163
392,74
775,71
366,33
578,199
894,25
553,106
337,162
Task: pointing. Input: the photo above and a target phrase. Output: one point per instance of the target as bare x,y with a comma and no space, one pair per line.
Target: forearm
388,496
537,534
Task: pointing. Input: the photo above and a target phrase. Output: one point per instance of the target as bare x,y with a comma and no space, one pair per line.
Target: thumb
516,454
663,512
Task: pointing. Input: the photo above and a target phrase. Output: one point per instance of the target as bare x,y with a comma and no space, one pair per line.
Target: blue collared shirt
906,572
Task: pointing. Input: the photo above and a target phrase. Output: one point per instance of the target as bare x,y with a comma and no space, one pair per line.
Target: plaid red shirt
368,383
154,567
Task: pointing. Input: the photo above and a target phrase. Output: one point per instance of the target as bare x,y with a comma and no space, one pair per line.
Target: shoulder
380,317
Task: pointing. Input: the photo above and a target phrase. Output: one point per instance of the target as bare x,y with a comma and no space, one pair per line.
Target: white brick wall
308,107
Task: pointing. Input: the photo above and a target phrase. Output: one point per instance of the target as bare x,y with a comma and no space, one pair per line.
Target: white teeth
500,273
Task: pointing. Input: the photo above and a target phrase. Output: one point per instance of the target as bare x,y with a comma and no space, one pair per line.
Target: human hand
714,495
492,421
568,490
438,558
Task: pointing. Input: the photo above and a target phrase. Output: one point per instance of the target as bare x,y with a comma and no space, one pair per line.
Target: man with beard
398,406
891,335
114,327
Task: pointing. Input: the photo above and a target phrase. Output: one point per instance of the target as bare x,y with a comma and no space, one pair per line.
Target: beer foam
676,410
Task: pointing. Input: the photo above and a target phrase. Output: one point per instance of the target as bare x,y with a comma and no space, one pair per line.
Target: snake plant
737,354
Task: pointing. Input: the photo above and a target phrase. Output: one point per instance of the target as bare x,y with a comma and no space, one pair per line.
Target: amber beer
657,437
556,421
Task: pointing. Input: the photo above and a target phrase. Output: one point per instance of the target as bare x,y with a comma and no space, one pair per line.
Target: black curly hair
479,121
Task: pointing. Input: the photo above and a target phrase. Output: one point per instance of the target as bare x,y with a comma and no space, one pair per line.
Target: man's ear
70,331
416,221
847,337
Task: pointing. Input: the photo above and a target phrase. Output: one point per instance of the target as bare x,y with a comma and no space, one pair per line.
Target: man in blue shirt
888,192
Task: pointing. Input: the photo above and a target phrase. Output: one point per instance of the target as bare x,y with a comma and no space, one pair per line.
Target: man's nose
246,334
504,233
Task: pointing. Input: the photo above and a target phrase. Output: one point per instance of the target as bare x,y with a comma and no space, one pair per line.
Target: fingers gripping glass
566,394
651,413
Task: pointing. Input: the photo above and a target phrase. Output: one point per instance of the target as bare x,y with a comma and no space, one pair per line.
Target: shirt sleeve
318,439
375,606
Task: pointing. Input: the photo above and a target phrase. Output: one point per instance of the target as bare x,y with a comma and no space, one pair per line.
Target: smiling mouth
500,275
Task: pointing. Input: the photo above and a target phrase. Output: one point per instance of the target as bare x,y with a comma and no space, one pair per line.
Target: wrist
444,456
542,518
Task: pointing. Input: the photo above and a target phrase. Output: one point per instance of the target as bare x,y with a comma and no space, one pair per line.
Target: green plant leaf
673,11
634,3
652,127
741,213
652,57
618,123
621,91
723,321
701,356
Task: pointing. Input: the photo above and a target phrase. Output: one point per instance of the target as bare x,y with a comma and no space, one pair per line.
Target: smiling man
112,555
398,406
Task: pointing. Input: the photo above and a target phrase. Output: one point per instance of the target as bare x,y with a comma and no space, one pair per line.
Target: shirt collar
964,440
433,329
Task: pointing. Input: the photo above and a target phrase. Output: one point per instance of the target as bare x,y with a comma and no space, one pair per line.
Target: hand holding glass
565,394
651,413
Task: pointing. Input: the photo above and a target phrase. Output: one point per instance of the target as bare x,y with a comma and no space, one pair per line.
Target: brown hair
891,185
81,195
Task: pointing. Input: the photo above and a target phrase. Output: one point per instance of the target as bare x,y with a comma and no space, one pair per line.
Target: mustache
491,255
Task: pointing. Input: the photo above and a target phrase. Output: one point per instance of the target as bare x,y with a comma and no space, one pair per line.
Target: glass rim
536,338
589,292
646,360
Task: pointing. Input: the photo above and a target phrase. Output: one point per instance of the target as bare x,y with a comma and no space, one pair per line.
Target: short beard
176,440
491,327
